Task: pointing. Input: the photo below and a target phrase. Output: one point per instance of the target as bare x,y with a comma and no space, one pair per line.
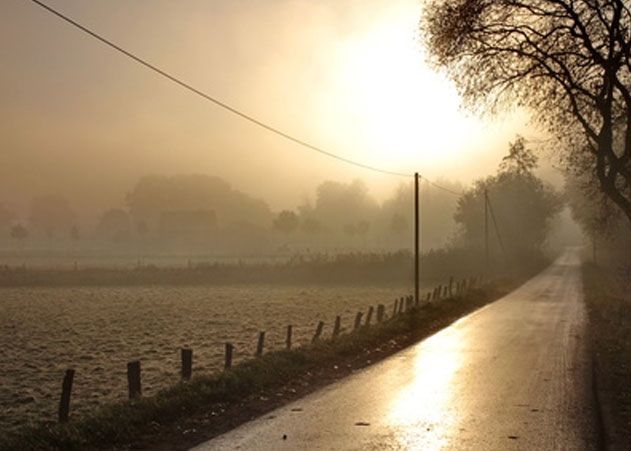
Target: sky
350,76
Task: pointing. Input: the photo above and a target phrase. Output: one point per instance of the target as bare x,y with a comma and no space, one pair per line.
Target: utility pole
416,239
486,227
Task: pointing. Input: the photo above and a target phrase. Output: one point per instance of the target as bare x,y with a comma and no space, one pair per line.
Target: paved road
513,375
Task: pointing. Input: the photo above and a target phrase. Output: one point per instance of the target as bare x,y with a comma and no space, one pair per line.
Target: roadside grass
136,423
609,310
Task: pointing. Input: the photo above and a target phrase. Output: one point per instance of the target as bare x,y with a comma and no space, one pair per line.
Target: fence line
403,305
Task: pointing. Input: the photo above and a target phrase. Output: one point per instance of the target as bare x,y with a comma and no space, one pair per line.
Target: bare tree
569,61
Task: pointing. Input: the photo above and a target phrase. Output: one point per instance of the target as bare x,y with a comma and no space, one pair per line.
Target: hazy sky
78,119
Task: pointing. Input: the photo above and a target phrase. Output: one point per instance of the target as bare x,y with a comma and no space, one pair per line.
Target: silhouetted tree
6,216
154,195
338,204
398,224
114,224
286,222
19,232
523,205
50,214
437,211
520,159
311,226
592,210
568,61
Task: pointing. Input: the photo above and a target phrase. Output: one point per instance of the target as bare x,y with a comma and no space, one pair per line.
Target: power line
455,193
211,98
224,105
444,188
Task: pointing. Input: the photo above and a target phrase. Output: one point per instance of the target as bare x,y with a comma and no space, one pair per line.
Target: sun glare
402,112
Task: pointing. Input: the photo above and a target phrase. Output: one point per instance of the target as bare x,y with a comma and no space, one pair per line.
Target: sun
386,99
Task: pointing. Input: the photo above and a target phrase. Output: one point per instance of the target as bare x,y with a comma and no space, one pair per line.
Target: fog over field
182,177
100,156
82,122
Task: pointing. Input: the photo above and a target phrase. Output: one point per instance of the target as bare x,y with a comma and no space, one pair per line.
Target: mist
82,122
210,209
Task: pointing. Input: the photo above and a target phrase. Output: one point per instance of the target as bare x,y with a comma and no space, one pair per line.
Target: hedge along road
513,375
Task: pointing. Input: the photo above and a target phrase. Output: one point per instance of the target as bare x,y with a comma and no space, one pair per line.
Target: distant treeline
365,268
204,214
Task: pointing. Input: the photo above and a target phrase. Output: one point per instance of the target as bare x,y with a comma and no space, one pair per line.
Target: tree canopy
523,205
567,61
156,194
287,221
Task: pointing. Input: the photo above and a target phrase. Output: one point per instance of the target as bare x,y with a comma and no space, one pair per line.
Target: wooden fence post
429,297
358,320
228,361
187,363
402,305
381,309
337,326
451,283
395,309
260,344
369,316
66,391
288,339
133,379
445,292
318,332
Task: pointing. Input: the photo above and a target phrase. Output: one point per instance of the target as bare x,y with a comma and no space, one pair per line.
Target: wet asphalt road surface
516,374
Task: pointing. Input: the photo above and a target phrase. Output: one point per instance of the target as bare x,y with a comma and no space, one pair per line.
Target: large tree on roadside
569,61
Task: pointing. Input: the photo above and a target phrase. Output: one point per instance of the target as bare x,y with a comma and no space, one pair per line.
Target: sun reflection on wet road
513,375
424,409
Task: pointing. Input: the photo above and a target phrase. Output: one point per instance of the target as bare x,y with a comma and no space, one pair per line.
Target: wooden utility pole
486,227
416,238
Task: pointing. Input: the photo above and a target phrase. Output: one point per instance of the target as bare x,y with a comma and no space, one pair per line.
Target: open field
97,330
188,413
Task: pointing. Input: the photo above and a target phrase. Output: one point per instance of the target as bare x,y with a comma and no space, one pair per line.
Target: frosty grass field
97,330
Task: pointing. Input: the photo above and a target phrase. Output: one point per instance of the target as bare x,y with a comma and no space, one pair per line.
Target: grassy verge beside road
610,328
208,405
